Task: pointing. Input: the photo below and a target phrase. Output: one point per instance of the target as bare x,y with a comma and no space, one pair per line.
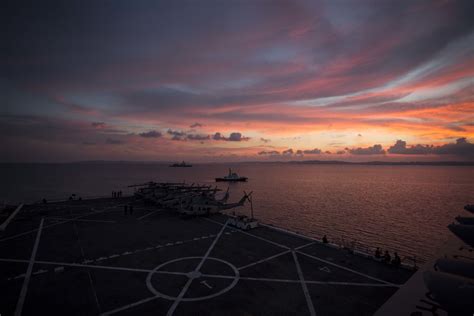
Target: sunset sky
237,80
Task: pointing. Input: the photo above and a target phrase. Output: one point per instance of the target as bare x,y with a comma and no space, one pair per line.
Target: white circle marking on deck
192,274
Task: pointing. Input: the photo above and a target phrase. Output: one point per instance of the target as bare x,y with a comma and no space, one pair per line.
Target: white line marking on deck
60,206
40,271
203,275
82,220
13,260
130,305
79,265
55,224
250,278
305,245
299,281
88,271
179,298
325,269
289,232
20,276
211,247
263,260
303,285
264,239
24,289
206,284
67,218
351,284
12,215
186,286
179,242
59,269
347,269
149,214
246,233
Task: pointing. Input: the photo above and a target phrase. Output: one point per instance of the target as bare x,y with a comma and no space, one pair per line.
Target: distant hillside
386,163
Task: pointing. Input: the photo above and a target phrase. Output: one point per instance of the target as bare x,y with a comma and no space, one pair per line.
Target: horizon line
322,162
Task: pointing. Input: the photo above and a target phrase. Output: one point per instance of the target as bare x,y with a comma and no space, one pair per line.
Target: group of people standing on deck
116,194
387,258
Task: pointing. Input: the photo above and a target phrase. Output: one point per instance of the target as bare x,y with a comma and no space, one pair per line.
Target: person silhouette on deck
387,258
378,253
130,208
396,260
325,239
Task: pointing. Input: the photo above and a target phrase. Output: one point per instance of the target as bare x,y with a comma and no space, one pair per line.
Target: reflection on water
403,208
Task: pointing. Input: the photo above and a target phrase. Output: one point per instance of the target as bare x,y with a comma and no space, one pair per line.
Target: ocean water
400,208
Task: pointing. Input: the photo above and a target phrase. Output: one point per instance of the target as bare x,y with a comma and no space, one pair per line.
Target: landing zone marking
24,288
55,224
309,301
12,215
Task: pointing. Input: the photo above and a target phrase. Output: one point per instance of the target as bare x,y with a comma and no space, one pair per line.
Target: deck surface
89,258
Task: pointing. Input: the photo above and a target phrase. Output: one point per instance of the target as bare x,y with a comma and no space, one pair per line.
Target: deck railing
408,261
363,249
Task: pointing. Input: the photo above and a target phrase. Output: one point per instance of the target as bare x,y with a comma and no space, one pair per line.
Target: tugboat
181,164
231,177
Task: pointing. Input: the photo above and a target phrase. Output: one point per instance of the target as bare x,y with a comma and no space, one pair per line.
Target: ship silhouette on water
231,177
181,165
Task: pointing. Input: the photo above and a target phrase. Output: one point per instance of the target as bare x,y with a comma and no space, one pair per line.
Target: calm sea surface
404,208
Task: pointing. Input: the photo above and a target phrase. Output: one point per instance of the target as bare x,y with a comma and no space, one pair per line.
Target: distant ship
232,177
181,164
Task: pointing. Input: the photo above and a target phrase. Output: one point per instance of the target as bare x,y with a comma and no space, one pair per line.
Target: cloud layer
461,148
322,77
151,134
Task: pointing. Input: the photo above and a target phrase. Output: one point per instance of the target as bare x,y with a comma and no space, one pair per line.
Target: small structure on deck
242,221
